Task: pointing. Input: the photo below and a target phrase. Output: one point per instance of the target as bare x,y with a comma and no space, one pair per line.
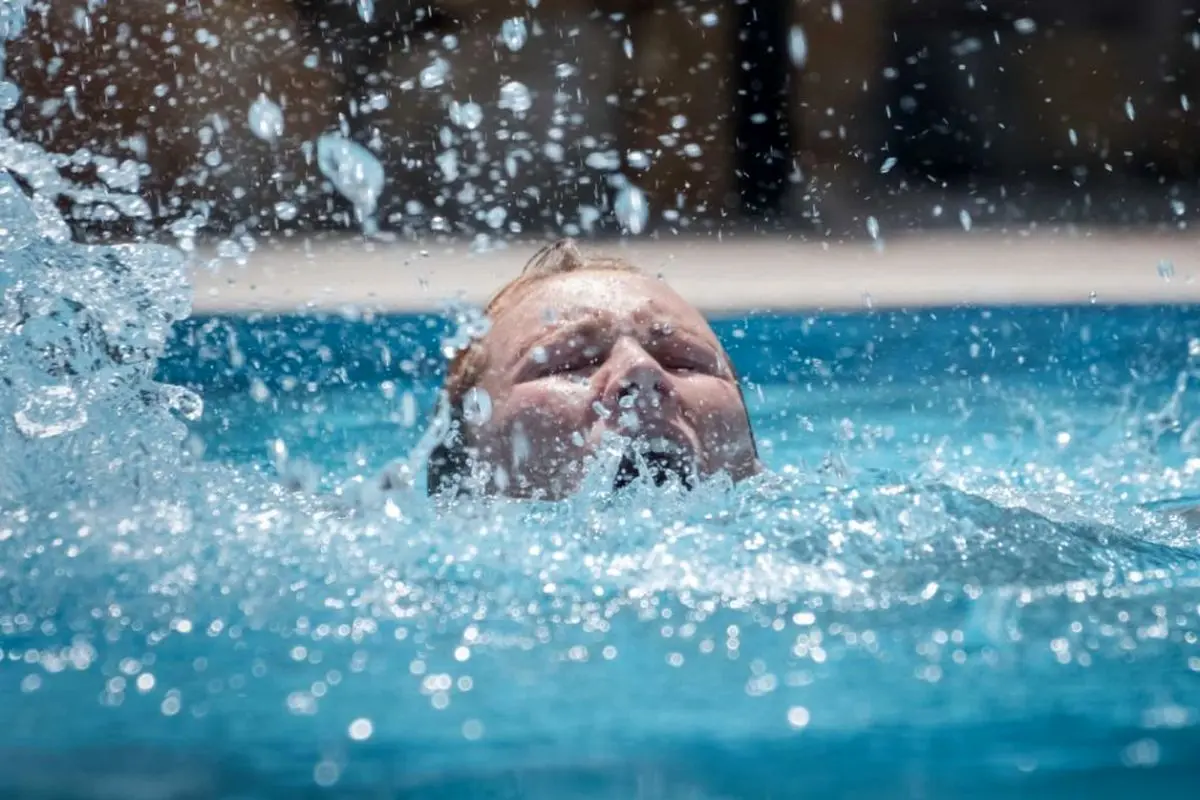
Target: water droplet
1129,108
182,401
515,97
467,115
1178,208
709,19
51,411
286,211
1166,269
835,11
964,217
259,391
266,119
353,170
477,406
873,227
366,10
631,209
798,46
628,47
1025,26
1074,137
1184,103
514,33
434,75
9,95
887,165
495,217
609,160
638,159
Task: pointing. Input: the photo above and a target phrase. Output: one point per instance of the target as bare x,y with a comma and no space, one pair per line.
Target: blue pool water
962,579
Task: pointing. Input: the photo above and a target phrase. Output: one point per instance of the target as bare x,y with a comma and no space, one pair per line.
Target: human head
578,348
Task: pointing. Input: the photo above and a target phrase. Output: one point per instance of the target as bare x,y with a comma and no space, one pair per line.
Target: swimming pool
950,585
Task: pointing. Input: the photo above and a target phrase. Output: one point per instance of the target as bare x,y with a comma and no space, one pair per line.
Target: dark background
1059,110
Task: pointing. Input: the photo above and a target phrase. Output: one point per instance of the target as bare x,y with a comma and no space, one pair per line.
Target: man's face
585,354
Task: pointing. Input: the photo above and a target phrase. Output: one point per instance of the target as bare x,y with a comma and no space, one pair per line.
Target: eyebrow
588,326
660,334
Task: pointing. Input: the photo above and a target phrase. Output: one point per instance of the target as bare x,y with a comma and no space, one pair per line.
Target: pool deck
735,273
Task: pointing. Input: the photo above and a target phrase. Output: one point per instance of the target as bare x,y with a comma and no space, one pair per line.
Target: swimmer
581,349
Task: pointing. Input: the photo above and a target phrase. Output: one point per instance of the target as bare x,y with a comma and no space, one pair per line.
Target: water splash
80,329
211,607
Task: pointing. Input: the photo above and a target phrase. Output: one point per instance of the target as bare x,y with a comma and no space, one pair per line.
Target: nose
636,380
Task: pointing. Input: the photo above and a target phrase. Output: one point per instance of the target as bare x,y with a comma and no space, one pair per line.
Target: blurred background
532,117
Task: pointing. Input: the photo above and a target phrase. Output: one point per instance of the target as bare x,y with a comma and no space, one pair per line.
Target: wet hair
449,463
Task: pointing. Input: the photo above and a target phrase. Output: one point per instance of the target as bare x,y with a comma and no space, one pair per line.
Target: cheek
716,412
539,423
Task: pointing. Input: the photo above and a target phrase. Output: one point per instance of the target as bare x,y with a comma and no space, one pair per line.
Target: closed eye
572,366
696,363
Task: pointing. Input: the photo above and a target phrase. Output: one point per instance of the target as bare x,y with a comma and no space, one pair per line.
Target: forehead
622,298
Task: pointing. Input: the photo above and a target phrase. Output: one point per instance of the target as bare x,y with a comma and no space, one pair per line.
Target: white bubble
366,10
835,11
1025,26
361,729
964,219
887,165
798,717
873,227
